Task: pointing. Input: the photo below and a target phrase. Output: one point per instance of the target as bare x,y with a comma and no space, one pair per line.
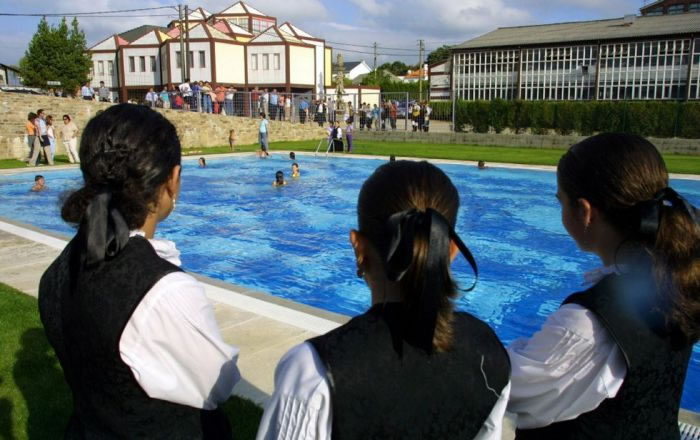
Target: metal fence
365,110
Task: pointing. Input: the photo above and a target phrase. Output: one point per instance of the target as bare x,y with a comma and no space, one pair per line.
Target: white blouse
172,342
301,408
567,368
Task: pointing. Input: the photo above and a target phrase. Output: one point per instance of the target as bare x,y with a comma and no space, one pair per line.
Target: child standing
232,138
52,137
348,134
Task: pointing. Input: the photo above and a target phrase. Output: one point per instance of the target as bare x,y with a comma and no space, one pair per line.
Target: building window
266,62
202,59
276,61
100,68
254,62
694,7
260,25
676,9
110,68
154,68
132,64
190,59
178,59
142,64
241,22
659,10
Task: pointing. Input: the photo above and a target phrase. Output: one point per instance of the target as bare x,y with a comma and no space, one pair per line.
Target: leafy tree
439,55
56,53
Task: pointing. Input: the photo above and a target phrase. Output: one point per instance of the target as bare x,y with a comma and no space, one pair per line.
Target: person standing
263,133
410,367
69,137
228,101
164,97
30,129
151,98
142,354
186,92
274,100
348,134
41,141
280,107
611,361
103,93
86,92
320,115
52,136
392,115
220,92
303,107
288,107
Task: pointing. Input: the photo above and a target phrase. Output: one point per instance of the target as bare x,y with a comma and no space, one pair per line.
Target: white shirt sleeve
173,346
301,407
567,368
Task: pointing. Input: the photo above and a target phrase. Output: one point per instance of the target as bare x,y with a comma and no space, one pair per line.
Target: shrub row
647,118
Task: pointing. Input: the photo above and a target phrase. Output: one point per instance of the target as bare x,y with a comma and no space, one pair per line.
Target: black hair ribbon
650,210
403,226
106,231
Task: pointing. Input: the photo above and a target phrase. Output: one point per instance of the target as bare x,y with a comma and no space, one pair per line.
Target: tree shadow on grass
5,418
40,379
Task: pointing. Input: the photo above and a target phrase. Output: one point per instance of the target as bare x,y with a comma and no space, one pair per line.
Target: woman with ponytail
135,335
410,367
611,361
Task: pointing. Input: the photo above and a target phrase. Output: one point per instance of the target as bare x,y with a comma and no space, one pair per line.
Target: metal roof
138,32
611,29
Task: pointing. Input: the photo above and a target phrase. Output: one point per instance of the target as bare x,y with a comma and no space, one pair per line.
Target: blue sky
393,24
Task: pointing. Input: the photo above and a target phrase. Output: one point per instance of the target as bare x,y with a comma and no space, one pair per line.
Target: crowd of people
42,135
144,358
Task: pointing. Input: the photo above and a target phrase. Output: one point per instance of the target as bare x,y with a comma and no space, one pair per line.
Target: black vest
646,406
378,394
84,312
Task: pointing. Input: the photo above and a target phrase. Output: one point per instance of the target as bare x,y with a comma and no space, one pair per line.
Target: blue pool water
233,225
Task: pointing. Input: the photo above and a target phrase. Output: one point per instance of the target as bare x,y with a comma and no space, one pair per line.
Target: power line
82,14
370,47
99,16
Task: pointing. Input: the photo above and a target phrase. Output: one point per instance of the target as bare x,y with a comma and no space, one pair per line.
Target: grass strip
35,401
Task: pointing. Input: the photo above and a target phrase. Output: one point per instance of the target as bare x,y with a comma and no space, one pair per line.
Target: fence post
454,110
405,116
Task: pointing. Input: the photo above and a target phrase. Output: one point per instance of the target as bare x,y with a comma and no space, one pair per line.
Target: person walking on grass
69,137
41,141
263,133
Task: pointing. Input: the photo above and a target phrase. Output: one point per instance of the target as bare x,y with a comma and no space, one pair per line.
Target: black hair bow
650,210
403,227
105,230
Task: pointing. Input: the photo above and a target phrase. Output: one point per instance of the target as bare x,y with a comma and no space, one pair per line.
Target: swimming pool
233,225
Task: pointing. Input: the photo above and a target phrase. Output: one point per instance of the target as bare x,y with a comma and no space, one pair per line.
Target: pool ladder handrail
328,149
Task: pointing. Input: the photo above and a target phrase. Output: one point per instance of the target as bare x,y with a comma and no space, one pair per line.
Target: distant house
439,80
413,76
353,69
670,7
9,76
239,46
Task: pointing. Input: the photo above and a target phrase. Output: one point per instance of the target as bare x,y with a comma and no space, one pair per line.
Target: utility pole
187,42
375,61
182,45
420,70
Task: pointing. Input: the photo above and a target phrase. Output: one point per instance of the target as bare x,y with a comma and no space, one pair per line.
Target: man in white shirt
86,92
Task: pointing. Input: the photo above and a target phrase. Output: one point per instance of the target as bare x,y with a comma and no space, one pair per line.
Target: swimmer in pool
279,179
295,170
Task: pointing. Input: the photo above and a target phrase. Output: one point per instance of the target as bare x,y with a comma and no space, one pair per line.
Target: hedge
647,118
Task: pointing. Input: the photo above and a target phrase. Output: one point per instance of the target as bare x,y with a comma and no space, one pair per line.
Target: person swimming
40,183
481,165
292,156
279,179
295,170
202,162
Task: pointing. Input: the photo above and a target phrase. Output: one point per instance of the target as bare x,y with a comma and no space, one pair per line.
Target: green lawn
34,399
527,156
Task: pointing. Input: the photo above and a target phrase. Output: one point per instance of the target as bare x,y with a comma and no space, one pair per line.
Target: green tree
56,53
439,55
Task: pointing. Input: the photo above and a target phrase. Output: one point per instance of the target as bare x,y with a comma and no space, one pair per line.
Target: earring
174,202
360,273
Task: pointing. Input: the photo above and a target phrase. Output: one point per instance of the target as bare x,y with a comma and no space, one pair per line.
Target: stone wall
195,129
666,145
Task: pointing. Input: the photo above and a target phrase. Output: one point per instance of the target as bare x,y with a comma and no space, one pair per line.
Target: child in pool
292,156
295,170
202,162
279,179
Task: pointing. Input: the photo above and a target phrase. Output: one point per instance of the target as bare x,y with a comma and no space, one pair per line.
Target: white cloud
372,7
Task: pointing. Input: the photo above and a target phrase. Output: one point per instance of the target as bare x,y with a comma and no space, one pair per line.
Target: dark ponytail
128,151
624,176
413,190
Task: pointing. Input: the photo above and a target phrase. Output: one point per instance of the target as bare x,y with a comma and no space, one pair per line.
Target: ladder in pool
330,145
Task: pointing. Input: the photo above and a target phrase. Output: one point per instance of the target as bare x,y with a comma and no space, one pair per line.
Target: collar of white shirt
165,249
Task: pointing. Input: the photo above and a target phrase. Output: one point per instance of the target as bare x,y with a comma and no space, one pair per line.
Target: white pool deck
264,327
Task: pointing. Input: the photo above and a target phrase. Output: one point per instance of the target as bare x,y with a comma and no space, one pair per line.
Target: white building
239,46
